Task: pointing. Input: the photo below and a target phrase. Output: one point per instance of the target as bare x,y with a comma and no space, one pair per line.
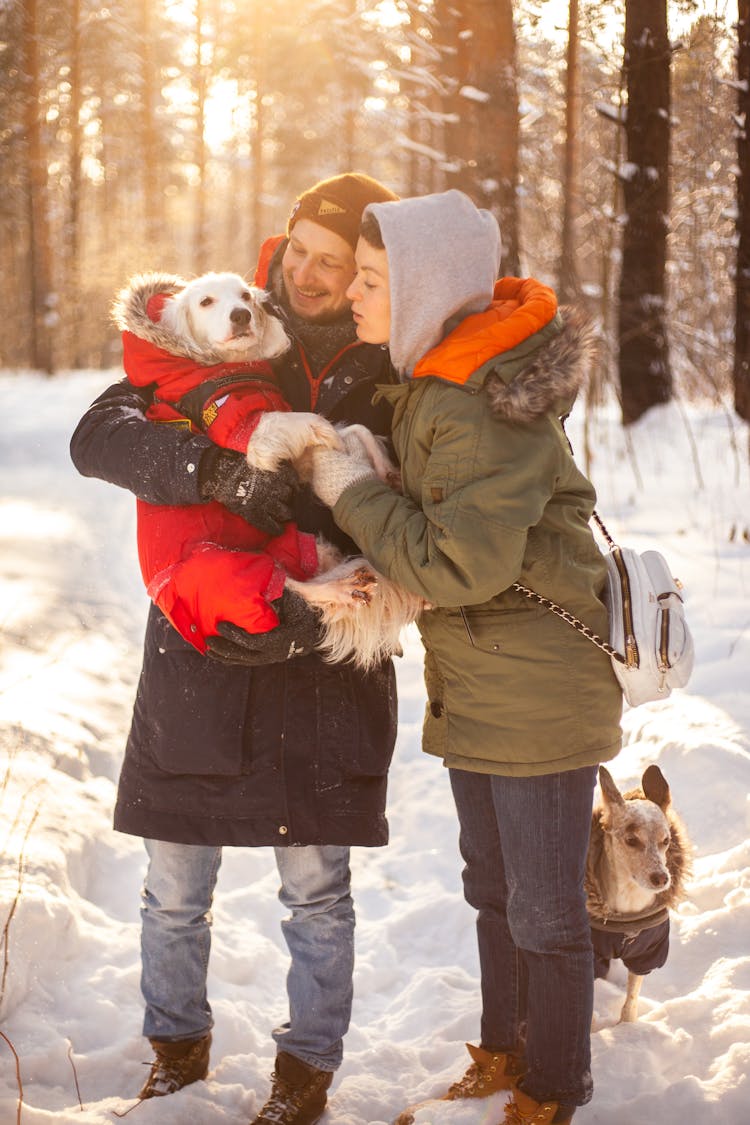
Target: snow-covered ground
71,619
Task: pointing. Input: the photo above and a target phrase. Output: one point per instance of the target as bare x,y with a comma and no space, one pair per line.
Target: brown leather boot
176,1065
298,1093
489,1073
523,1110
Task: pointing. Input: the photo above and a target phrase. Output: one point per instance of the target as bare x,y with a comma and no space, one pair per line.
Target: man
261,743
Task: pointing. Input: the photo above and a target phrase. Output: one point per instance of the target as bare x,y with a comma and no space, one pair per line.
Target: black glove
297,634
263,499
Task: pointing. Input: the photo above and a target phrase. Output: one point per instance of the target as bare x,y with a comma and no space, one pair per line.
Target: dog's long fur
638,862
219,317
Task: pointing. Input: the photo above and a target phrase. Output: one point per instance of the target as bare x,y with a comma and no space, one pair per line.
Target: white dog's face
222,312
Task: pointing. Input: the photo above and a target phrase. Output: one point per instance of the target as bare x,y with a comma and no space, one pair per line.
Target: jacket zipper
632,657
315,383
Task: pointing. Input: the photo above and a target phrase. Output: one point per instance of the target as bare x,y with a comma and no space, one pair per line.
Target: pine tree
742,281
568,284
645,375
481,105
701,243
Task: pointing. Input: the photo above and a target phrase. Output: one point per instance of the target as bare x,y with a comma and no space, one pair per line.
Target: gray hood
443,261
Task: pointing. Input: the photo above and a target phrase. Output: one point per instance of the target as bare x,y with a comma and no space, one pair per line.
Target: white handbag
650,644
653,646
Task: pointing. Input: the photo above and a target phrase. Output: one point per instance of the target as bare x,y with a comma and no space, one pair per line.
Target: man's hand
297,634
262,498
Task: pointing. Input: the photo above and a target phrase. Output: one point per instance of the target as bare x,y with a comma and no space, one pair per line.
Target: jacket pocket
497,630
437,488
355,723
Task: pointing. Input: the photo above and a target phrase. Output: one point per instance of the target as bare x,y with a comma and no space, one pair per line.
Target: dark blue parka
284,754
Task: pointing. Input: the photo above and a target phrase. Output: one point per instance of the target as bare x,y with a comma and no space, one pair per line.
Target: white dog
221,313
638,861
219,318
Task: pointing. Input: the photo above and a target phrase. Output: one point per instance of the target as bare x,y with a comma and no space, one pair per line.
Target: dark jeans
524,841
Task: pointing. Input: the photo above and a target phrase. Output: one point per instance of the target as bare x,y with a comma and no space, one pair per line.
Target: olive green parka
492,496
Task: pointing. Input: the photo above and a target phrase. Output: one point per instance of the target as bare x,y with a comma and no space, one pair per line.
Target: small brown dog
638,863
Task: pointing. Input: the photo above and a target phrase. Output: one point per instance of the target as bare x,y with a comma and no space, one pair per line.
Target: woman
520,706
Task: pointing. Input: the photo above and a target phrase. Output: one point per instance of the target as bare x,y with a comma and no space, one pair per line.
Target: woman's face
370,295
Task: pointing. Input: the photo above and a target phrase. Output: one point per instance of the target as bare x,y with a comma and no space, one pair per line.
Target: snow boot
489,1073
298,1093
176,1065
523,1110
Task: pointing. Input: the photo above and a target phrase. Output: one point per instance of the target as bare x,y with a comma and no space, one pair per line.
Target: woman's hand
333,472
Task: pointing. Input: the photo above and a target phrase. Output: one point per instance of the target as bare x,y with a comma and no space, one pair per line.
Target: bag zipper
632,656
664,664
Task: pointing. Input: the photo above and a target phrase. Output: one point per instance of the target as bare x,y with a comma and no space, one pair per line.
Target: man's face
317,267
370,295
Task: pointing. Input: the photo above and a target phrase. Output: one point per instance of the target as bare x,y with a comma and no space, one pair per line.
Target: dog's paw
281,436
362,584
359,442
323,435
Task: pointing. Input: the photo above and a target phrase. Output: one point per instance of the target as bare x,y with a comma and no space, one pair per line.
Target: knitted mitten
334,472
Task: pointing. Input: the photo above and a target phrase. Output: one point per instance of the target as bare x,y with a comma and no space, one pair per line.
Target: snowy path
72,613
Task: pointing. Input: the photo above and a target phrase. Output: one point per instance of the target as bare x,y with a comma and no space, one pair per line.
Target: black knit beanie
338,202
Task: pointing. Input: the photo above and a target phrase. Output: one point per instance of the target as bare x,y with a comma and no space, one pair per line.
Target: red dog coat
202,564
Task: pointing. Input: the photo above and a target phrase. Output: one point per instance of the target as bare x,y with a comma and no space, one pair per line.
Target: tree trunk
350,103
200,234
42,310
498,156
258,129
568,283
645,375
73,240
153,217
482,136
742,301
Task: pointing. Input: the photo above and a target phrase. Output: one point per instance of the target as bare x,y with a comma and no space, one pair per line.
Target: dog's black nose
659,879
240,317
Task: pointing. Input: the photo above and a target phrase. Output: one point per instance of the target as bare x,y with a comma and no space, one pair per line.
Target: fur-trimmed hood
530,358
679,866
552,378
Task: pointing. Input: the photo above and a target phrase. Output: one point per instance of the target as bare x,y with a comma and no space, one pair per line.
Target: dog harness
640,950
640,940
201,563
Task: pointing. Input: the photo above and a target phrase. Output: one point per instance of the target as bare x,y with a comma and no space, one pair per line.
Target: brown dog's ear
655,788
610,792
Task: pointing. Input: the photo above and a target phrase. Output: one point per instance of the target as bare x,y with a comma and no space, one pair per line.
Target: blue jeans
176,942
524,842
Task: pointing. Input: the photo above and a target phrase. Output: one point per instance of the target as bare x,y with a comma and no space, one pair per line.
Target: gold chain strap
571,619
565,614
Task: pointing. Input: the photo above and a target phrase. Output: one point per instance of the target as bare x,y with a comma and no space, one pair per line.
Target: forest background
610,141
608,138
